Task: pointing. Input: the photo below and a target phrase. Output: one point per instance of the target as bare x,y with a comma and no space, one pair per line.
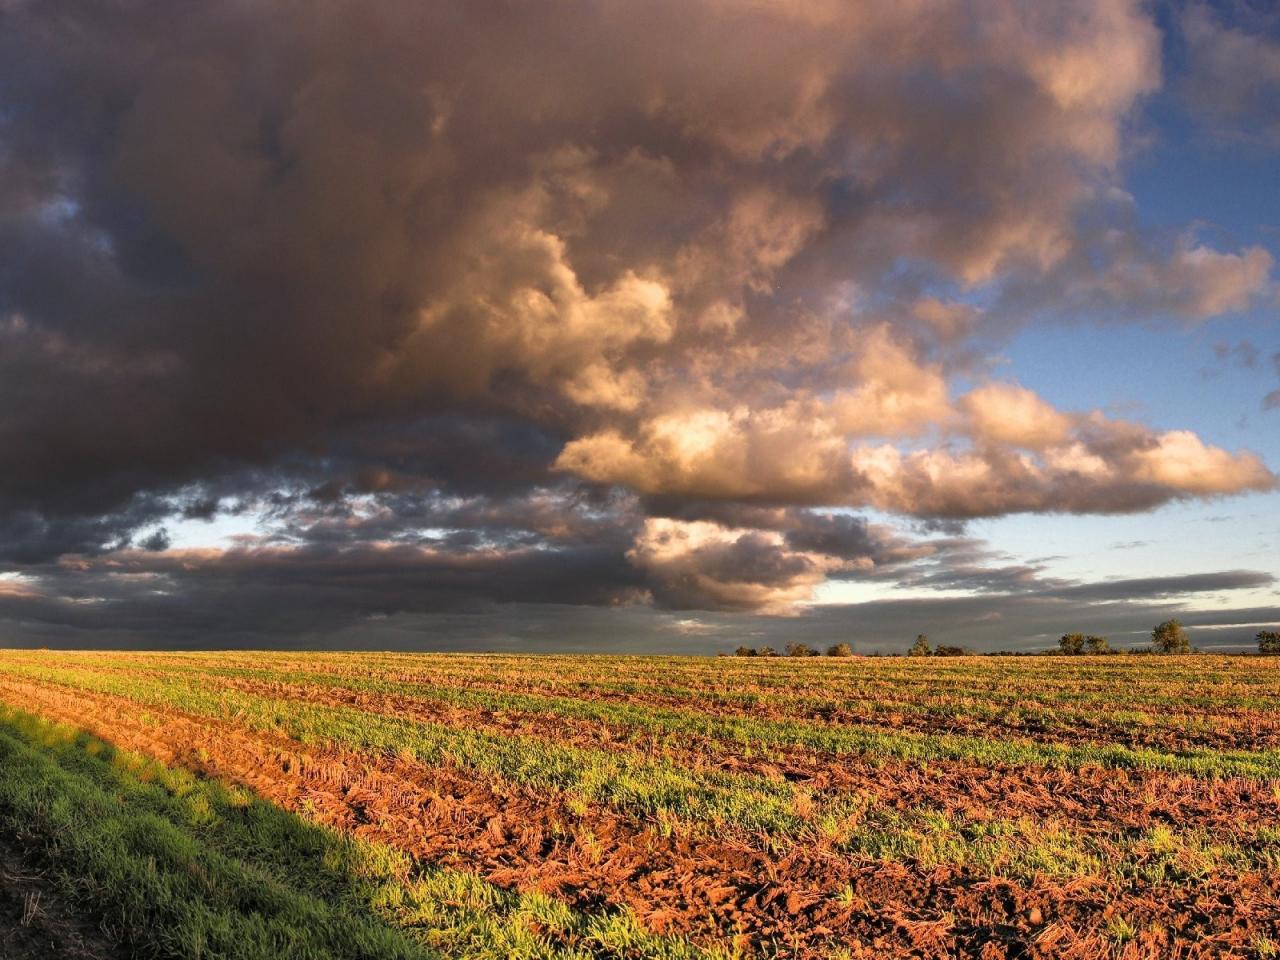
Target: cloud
1149,588
467,305
1081,478
1117,272
392,599
346,231
269,591
771,455
1243,354
897,393
772,567
28,536
1011,414
1130,545
1029,458
1196,282
701,564
1233,72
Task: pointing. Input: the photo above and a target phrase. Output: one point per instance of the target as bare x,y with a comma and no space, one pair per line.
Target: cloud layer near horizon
600,303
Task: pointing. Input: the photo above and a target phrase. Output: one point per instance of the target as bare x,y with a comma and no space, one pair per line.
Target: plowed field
355,805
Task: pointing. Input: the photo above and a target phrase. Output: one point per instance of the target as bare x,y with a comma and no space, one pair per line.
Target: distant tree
745,652
766,652
1071,643
800,650
1169,637
920,648
1097,645
839,650
1269,643
942,650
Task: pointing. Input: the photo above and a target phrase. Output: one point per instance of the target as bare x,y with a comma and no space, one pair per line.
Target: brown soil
802,903
1093,797
1234,729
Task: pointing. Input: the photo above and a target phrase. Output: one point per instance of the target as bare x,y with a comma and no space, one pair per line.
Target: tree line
796,650
1169,637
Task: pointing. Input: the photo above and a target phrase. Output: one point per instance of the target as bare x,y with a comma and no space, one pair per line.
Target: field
383,805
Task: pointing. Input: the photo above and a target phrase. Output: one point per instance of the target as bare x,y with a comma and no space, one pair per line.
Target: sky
637,327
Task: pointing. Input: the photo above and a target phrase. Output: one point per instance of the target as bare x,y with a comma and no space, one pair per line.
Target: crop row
827,738
1169,730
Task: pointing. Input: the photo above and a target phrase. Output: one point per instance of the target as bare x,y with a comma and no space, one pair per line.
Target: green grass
745,731
194,869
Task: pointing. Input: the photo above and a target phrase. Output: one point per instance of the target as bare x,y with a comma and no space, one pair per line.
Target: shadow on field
38,922
93,840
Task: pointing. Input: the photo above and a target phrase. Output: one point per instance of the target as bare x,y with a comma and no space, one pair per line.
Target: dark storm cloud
31,537
563,515
268,592
971,567
231,228
847,537
982,578
497,302
839,535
